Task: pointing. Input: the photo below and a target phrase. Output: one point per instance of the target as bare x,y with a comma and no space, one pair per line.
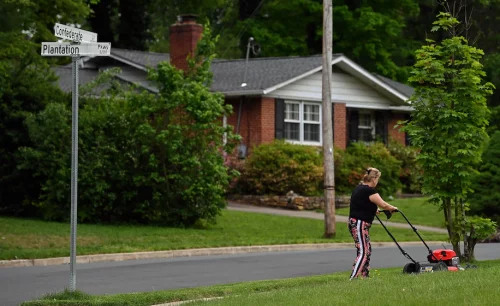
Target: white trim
361,71
127,62
302,122
402,108
370,127
308,73
374,79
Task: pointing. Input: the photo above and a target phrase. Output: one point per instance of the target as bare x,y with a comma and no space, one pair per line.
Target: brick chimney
184,35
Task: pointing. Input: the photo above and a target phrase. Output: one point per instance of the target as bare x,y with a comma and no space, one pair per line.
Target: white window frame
301,123
366,127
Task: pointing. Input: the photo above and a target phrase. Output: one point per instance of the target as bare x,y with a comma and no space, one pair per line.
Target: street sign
84,43
69,49
74,34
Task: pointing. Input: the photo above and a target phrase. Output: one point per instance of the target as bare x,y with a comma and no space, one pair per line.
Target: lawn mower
439,260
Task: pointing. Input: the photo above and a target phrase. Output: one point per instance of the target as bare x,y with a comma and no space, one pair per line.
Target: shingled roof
262,73
403,88
141,58
65,77
228,75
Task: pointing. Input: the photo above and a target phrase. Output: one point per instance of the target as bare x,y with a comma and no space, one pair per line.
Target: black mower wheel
411,268
440,266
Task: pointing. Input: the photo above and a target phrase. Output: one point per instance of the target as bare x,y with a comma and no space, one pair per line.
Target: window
366,126
303,122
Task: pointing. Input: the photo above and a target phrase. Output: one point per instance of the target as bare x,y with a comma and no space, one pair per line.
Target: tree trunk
452,234
467,239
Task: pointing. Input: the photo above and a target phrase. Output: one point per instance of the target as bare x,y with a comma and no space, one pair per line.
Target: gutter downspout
242,148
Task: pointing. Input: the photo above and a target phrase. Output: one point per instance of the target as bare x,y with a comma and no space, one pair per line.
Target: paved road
320,216
26,283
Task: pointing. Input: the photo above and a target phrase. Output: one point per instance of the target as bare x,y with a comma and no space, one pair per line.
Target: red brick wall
184,36
267,129
339,125
257,119
395,133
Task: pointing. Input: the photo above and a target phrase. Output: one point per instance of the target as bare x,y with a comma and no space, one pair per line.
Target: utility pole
329,176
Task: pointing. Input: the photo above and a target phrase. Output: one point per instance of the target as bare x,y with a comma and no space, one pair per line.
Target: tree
221,14
26,86
485,200
124,23
449,121
285,28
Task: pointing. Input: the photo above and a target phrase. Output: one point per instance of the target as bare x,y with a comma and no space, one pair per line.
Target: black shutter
279,119
381,126
353,116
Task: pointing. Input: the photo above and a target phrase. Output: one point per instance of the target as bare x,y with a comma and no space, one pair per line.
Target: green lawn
386,287
29,239
417,210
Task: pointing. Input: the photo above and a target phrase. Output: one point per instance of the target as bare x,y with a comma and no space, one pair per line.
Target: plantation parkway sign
71,49
83,43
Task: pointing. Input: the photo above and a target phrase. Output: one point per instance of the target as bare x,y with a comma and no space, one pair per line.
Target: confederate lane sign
74,34
69,49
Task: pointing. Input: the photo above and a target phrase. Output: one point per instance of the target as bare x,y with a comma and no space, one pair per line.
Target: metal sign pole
74,172
83,43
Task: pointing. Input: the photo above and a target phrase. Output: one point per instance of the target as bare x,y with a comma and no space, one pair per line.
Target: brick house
275,98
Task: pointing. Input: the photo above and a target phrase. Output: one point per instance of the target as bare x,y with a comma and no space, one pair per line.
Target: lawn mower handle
388,213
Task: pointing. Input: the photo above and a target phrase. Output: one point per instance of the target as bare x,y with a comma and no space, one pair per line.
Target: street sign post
84,43
74,34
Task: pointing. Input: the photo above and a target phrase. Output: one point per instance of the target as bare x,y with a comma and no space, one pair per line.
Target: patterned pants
361,235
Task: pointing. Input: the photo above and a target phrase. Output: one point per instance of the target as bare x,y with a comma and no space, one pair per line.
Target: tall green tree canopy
450,119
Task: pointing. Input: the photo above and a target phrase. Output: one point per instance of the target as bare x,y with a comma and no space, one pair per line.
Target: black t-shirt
361,207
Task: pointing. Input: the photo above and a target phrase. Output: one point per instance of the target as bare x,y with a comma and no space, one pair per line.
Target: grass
386,287
30,239
417,210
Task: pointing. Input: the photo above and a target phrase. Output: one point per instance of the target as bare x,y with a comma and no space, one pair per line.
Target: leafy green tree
221,14
285,28
125,23
450,119
379,25
26,86
186,136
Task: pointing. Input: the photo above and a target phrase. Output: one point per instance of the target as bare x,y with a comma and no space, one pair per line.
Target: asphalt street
27,283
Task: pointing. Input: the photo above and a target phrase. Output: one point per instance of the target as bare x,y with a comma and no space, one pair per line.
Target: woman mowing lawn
362,210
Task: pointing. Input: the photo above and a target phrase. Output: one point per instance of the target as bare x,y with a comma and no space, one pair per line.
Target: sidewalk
319,216
222,250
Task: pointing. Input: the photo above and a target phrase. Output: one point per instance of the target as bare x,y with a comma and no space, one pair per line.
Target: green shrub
352,164
279,167
485,200
410,174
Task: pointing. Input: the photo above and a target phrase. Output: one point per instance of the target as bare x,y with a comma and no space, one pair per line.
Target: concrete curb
190,253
